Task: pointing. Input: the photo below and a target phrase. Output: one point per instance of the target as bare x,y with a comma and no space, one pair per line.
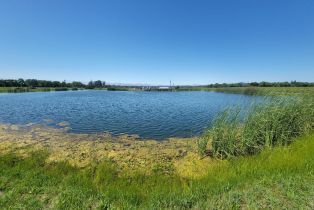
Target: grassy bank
22,89
262,91
274,91
251,90
280,178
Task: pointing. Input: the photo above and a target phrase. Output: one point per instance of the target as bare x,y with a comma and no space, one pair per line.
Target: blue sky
154,41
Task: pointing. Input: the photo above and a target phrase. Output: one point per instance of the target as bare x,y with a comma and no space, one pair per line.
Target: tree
32,83
21,82
77,84
255,84
63,84
98,84
91,85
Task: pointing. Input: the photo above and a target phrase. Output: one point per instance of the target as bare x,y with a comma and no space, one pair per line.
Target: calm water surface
157,115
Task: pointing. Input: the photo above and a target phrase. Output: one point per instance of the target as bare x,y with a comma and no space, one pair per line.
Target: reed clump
274,123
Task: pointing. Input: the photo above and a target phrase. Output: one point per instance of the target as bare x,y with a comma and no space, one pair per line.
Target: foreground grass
280,178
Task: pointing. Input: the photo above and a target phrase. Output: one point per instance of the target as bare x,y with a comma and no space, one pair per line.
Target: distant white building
164,88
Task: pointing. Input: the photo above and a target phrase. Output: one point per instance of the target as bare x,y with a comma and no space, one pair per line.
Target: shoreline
284,174
132,155
259,91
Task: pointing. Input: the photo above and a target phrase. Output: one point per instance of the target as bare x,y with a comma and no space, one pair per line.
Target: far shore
237,90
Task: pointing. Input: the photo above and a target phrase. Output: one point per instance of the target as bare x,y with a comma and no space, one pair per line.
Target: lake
151,115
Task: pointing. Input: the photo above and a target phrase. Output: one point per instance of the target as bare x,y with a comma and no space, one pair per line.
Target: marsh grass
225,134
277,122
266,91
14,89
202,146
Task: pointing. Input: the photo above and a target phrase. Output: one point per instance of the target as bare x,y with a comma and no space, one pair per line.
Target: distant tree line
34,83
96,84
264,84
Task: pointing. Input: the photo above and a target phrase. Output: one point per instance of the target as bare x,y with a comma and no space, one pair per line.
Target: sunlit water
156,115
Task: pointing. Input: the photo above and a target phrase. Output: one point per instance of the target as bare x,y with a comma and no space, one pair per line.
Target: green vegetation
253,88
265,91
122,88
34,83
26,89
31,85
274,123
39,89
280,178
263,84
247,90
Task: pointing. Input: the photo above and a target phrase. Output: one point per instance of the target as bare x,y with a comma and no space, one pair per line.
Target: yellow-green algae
131,154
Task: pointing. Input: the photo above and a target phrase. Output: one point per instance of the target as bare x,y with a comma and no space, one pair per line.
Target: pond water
156,115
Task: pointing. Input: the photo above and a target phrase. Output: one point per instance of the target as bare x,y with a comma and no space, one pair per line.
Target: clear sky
154,41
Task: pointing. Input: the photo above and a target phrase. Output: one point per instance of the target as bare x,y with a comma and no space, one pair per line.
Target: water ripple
147,114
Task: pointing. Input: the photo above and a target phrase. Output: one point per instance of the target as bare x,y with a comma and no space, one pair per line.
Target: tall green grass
273,123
